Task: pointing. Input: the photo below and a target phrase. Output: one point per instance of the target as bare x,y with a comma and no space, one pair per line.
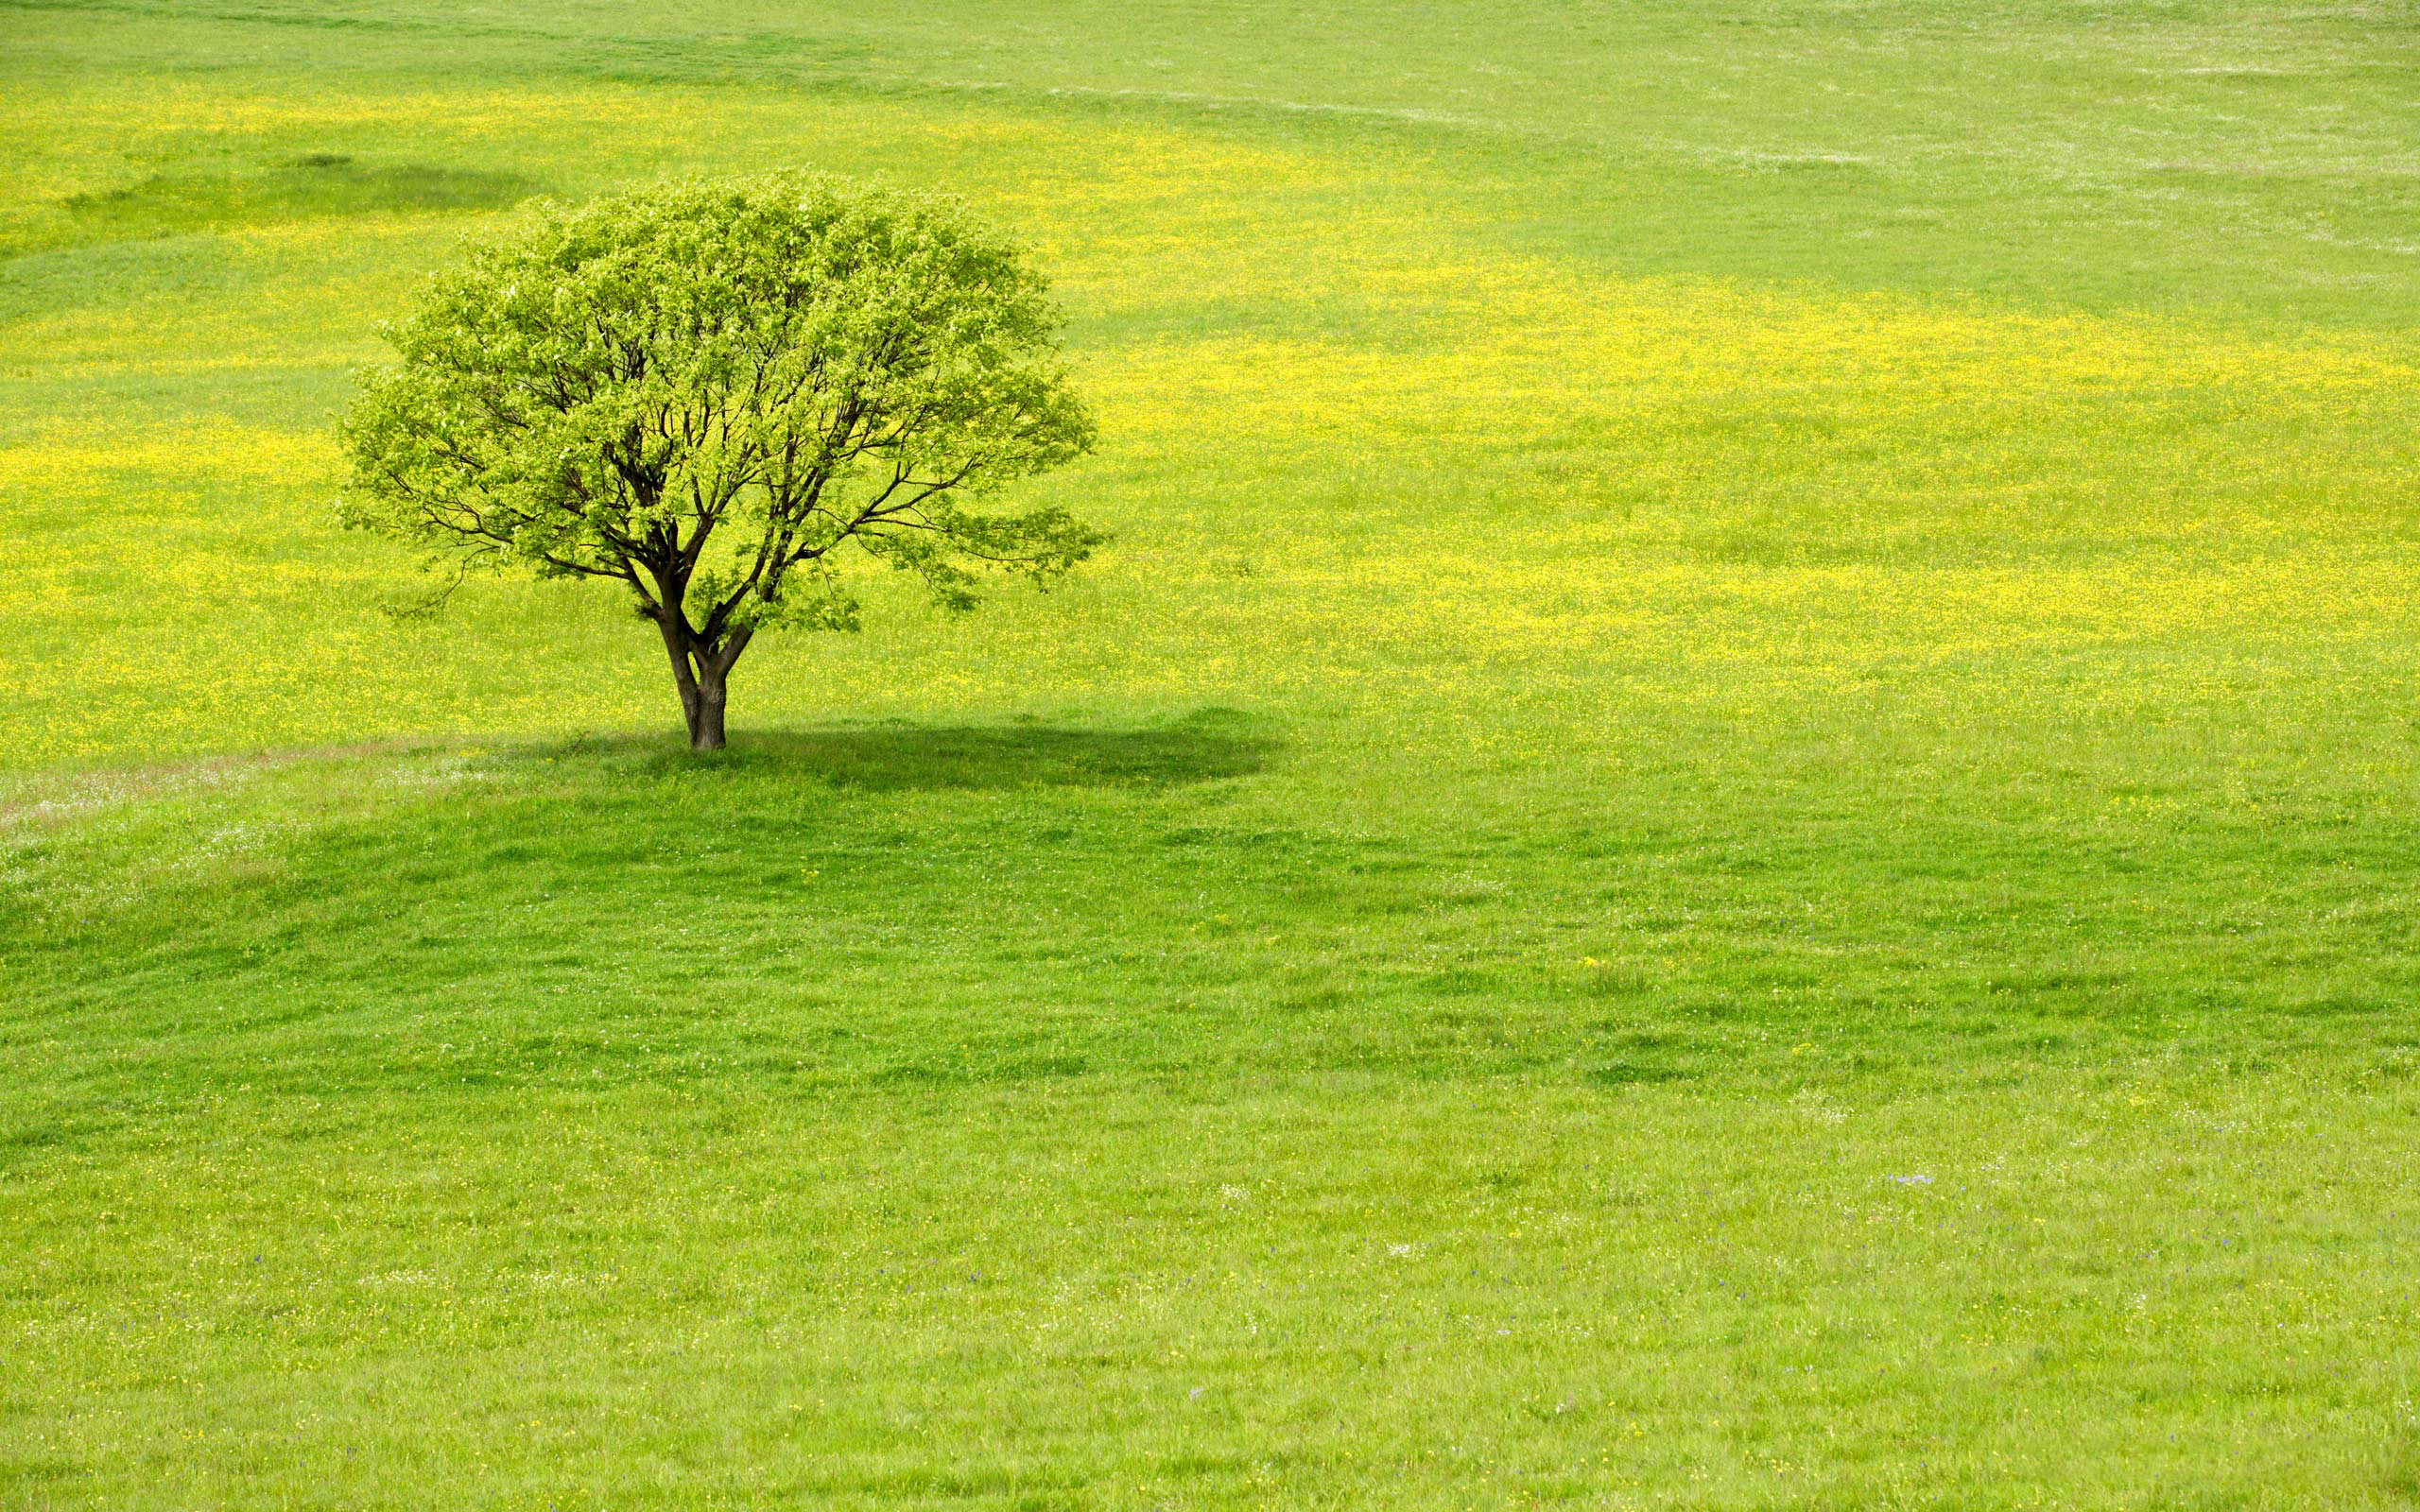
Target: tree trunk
702,673
705,724
705,708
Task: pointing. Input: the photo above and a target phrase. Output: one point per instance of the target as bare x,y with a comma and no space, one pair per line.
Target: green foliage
704,392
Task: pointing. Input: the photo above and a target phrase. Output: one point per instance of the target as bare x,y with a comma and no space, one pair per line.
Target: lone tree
703,392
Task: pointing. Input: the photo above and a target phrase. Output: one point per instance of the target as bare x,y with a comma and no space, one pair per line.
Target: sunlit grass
1649,461
1734,823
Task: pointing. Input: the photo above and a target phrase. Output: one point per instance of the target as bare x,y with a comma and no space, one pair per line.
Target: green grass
316,184
1737,822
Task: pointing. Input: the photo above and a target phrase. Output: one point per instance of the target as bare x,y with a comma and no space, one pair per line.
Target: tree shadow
901,755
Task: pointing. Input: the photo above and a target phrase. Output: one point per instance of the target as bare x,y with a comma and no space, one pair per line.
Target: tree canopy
703,392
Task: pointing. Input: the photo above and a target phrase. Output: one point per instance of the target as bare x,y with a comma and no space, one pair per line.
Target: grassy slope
1736,824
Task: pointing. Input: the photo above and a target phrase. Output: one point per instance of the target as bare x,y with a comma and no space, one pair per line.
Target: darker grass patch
1029,1484
1634,1073
1202,746
319,184
1004,1070
1461,982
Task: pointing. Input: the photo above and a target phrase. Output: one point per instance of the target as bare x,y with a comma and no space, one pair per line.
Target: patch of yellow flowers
1355,446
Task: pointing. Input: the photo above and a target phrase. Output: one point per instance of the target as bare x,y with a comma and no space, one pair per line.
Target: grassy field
1736,825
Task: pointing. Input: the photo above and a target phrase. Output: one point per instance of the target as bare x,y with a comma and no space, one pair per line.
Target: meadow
1736,823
